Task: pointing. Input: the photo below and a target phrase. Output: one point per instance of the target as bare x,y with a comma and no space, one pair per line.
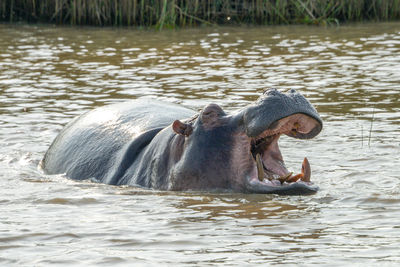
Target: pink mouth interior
266,145
272,158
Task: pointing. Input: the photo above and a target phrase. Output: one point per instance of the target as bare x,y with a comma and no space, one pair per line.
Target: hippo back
102,143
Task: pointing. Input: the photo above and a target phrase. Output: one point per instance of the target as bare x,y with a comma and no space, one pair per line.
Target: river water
351,74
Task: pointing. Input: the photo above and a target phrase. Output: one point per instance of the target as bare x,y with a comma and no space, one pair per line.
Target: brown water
49,74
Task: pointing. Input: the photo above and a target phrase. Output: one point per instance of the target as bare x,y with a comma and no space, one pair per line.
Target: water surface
48,75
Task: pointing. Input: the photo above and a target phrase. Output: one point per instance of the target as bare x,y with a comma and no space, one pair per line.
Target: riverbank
181,13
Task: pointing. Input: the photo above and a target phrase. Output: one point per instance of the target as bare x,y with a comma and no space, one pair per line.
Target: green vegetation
173,13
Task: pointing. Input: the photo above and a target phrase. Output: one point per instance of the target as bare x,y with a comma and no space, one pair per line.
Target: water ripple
352,74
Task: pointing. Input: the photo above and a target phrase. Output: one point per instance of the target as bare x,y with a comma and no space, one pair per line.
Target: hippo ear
182,128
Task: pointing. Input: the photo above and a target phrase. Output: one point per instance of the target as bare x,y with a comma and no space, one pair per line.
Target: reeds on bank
173,13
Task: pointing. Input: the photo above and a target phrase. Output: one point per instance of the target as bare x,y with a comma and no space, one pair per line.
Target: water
351,74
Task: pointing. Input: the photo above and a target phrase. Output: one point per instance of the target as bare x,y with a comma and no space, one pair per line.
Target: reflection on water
256,207
49,75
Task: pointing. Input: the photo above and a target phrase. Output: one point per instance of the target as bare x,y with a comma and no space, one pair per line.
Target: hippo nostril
270,91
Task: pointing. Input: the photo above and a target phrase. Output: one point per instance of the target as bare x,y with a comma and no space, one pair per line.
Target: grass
179,13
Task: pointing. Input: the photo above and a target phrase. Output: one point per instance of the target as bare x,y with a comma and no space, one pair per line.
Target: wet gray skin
163,146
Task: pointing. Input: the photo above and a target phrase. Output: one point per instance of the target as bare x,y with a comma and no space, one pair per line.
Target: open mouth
271,169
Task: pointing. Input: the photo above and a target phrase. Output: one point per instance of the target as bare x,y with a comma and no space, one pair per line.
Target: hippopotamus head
240,152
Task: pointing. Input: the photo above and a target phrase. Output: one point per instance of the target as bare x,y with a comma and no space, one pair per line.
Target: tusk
306,170
260,168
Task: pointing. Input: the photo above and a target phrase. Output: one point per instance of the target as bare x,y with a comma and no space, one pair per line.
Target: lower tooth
260,168
283,178
295,178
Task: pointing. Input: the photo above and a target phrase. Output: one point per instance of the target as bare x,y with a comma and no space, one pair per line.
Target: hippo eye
208,113
213,108
207,117
211,113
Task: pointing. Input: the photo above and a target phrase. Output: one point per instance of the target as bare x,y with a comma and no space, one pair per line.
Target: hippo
163,146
